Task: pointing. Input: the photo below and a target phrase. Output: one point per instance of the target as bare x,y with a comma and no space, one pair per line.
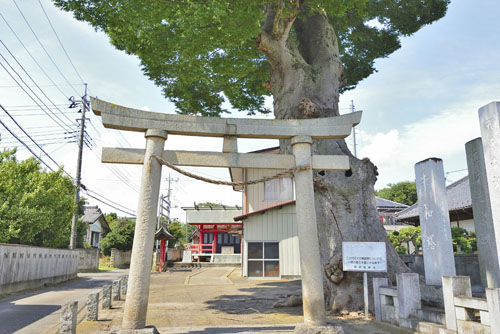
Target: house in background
97,225
459,206
270,236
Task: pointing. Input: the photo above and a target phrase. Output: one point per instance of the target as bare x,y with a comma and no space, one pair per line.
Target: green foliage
178,231
402,192
209,204
120,237
203,52
36,207
400,239
463,240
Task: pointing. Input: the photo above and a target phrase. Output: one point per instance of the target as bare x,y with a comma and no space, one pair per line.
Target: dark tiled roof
91,214
383,203
163,234
458,194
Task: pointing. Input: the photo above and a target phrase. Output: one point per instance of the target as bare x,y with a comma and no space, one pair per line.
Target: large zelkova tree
36,206
303,53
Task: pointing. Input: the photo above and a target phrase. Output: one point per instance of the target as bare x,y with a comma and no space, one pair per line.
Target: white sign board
364,256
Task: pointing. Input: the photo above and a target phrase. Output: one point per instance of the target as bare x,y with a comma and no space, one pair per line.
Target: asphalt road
38,311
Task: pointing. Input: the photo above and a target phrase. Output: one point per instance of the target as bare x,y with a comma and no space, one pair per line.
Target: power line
107,199
31,78
19,126
108,204
25,145
43,47
63,125
33,58
60,43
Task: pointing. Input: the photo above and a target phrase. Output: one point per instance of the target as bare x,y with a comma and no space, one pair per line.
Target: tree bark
305,77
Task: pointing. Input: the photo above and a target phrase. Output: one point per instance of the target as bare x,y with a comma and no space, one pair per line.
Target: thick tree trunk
306,74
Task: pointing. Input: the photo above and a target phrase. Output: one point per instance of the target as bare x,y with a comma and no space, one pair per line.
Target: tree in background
463,241
36,206
178,230
121,235
404,192
401,239
303,53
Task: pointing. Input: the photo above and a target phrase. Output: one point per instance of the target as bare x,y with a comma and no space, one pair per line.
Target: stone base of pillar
328,329
146,330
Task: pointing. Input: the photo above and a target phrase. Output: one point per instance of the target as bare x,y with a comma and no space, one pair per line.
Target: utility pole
354,131
166,200
78,179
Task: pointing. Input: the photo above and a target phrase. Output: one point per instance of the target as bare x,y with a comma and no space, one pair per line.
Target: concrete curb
188,278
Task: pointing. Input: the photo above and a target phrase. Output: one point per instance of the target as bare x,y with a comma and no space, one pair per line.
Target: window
278,190
263,259
94,240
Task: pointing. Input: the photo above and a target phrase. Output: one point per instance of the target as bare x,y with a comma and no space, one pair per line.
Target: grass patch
105,263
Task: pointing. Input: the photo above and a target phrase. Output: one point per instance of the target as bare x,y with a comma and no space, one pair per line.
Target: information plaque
364,256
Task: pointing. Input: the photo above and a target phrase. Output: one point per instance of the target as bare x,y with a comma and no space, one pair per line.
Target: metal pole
72,243
365,290
354,132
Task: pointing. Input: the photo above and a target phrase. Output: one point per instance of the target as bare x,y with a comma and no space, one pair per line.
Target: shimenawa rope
227,183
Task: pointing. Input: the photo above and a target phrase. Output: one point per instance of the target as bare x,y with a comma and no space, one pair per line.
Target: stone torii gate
157,126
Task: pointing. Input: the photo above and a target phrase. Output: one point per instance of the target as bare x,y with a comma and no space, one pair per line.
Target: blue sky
422,102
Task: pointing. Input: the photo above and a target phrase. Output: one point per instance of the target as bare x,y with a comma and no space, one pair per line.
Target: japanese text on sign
364,256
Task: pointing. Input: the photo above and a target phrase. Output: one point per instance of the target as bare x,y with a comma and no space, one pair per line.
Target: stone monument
489,120
434,220
483,220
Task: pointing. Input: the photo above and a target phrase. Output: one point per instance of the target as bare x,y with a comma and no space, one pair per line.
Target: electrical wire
25,145
10,74
33,58
43,47
31,78
19,126
110,205
60,43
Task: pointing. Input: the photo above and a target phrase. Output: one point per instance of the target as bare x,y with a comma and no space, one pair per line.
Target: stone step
432,328
432,314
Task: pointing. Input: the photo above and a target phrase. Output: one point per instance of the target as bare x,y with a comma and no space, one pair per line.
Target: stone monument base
328,329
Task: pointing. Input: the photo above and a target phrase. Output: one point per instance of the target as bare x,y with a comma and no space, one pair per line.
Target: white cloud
444,136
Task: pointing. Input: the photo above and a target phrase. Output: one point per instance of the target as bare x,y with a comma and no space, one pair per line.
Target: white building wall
275,225
466,224
255,192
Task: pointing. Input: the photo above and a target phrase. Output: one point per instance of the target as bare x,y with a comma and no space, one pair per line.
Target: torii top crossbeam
123,118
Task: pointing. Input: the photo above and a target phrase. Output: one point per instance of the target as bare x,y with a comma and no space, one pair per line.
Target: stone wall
120,259
88,259
26,267
465,264
174,254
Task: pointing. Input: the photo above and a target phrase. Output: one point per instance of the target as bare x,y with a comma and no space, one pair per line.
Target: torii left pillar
136,303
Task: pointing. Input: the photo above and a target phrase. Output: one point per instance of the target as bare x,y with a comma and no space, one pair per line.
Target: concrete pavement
218,300
38,311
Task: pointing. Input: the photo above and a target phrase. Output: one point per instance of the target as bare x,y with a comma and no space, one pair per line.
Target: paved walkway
219,300
38,311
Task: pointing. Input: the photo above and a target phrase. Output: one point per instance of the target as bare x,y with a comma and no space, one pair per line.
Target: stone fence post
454,286
68,318
93,306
